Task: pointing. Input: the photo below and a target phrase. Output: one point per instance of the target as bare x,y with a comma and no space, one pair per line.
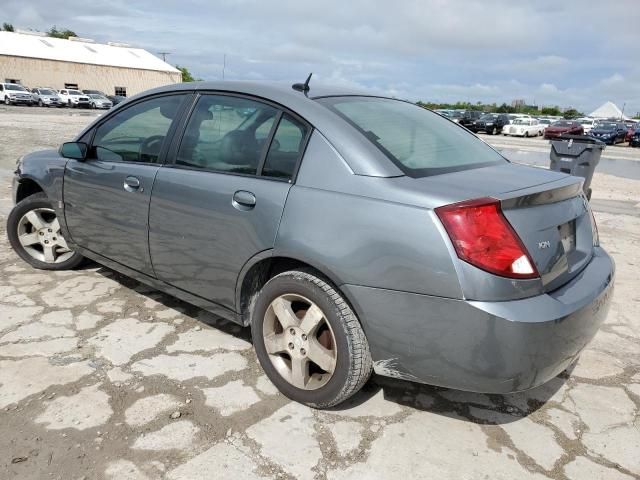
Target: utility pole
224,64
622,113
164,55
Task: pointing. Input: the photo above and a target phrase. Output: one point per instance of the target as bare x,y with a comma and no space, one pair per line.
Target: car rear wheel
308,340
34,233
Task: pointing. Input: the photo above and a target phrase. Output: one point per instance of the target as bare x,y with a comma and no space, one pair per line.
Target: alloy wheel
299,341
40,236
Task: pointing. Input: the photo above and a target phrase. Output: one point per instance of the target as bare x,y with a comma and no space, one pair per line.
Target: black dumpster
576,155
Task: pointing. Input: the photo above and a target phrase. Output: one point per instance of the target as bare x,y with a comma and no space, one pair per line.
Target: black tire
526,134
40,104
353,359
37,200
7,101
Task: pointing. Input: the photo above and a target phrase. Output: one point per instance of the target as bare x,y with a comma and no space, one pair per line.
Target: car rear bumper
491,347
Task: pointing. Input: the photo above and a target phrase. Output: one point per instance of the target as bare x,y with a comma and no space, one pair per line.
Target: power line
164,55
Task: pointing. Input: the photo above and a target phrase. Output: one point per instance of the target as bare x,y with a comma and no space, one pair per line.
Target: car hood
558,129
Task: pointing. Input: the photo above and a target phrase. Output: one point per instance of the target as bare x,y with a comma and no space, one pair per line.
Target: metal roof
88,52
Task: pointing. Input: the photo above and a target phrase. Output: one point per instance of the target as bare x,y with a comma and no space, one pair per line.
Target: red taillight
483,237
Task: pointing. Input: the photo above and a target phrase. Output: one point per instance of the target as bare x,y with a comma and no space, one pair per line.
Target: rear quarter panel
333,221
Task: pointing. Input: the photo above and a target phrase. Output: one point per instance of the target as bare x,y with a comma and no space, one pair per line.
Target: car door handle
243,200
132,184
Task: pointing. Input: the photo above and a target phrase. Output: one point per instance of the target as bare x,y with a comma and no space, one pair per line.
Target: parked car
609,132
459,268
99,101
631,128
116,99
563,127
94,92
74,98
545,122
469,117
635,139
47,97
587,124
524,127
491,123
14,94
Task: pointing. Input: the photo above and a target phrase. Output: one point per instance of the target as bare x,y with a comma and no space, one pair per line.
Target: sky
548,52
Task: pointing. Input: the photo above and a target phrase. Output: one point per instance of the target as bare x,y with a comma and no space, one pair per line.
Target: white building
35,60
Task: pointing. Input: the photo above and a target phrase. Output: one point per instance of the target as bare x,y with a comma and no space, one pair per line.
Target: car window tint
137,133
417,140
285,148
226,134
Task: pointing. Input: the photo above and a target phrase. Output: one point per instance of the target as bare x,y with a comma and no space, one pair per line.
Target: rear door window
226,134
285,149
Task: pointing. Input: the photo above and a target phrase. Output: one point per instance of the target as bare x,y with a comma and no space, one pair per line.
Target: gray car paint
352,215
199,240
104,217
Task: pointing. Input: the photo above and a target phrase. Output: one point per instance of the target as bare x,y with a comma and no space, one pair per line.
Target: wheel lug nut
290,346
292,331
40,233
303,351
46,241
49,230
304,337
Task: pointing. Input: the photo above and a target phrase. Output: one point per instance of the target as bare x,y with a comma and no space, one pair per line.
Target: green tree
7,27
554,111
62,33
570,113
186,75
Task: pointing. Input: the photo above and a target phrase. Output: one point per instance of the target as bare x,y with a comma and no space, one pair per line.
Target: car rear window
419,141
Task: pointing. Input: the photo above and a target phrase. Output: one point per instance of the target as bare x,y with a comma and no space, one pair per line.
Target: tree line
504,108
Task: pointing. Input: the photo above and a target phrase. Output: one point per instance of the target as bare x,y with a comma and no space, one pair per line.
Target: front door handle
132,184
243,200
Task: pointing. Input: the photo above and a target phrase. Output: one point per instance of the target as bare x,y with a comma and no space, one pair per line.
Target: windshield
96,96
13,86
488,118
562,123
586,122
607,126
520,121
417,140
75,92
45,91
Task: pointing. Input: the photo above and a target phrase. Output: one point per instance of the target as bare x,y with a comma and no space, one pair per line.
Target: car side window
137,133
226,134
285,148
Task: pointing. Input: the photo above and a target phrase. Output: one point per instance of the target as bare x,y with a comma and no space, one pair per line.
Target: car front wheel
7,101
308,340
34,233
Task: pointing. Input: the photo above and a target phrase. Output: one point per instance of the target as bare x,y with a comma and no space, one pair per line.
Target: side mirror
74,150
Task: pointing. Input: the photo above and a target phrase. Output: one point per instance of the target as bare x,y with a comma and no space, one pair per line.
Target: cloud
576,52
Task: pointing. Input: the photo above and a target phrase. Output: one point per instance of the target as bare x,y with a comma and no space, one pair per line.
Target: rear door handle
132,184
243,200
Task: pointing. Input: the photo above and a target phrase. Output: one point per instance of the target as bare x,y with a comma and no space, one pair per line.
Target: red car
563,127
631,128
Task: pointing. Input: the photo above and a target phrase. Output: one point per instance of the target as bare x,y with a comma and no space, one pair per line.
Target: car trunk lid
546,209
553,222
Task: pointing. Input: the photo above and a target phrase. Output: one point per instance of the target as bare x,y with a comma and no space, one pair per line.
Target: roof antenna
302,87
